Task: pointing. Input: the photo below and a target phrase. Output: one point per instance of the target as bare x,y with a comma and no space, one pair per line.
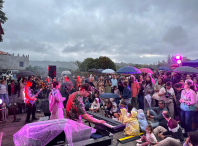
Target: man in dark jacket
174,130
126,93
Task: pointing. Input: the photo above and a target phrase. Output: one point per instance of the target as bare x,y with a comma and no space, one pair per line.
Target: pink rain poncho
56,104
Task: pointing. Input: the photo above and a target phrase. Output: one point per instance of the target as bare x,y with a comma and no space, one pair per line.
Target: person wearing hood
142,121
122,105
114,108
123,115
56,102
95,106
132,125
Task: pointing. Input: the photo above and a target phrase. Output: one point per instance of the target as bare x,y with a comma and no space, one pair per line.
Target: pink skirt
58,114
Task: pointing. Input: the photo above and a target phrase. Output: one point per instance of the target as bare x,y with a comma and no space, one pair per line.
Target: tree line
102,62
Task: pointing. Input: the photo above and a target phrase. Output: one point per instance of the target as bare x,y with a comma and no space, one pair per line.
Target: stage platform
9,128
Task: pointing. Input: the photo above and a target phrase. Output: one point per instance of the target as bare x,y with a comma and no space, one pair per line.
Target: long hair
193,138
149,82
162,80
24,80
190,83
139,78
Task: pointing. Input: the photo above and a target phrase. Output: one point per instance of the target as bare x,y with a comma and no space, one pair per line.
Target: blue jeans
156,122
141,102
5,99
186,120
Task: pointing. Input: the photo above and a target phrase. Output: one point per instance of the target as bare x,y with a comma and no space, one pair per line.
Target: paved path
9,128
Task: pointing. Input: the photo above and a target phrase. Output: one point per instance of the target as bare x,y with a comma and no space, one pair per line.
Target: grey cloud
176,36
122,30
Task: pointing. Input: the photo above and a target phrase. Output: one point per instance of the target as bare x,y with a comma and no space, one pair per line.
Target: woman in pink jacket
56,102
188,101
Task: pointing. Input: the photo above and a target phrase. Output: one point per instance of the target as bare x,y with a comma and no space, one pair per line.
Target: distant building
9,61
68,65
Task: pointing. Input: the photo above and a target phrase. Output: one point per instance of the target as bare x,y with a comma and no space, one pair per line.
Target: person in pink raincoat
56,102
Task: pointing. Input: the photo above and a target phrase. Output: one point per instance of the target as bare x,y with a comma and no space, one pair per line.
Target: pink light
178,57
178,61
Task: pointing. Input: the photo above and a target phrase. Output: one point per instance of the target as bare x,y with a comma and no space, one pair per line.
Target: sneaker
139,141
139,144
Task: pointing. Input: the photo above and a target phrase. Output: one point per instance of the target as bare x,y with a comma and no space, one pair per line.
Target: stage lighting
178,61
178,57
1,103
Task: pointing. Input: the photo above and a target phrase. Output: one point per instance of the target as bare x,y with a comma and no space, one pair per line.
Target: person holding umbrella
126,93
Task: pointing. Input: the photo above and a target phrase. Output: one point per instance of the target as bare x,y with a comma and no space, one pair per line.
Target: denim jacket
126,93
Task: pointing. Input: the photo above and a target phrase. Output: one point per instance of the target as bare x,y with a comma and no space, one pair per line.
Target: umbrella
65,73
129,70
164,68
186,69
150,68
108,71
94,70
25,74
109,95
146,70
100,70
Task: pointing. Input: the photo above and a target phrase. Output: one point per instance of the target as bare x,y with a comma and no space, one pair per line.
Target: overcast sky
135,31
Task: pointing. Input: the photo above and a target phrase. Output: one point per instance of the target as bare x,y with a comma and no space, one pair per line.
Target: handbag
186,107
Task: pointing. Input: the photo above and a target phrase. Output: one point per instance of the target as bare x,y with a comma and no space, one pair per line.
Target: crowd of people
163,104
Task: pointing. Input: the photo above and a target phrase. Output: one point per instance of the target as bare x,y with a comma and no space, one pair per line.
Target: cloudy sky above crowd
135,31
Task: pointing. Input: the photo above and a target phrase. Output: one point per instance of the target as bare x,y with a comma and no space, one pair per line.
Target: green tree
106,63
101,62
3,18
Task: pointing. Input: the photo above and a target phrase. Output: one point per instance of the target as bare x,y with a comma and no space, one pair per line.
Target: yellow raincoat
132,125
123,115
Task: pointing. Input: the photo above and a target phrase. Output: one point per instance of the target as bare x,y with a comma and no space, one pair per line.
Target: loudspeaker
51,71
45,107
